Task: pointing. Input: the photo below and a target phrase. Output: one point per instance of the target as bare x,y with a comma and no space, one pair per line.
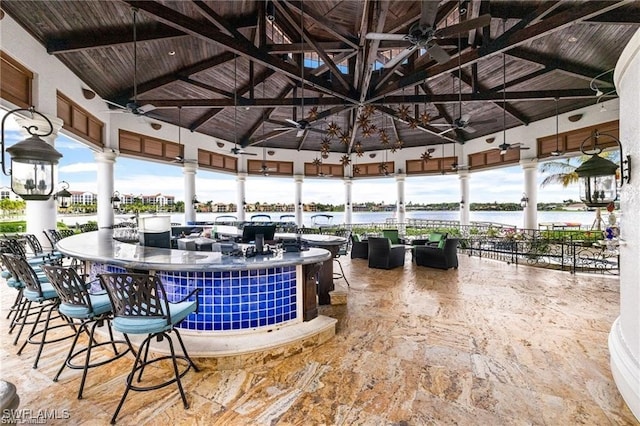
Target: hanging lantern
597,176
32,162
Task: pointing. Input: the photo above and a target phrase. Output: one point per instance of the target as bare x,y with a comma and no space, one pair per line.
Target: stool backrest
71,289
33,242
136,295
22,271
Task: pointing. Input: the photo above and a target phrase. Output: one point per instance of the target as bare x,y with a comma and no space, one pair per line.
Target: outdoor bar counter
246,305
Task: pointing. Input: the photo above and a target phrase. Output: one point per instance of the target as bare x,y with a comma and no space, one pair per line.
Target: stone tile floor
487,344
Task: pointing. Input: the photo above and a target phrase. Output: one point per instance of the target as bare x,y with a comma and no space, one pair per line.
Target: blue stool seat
178,312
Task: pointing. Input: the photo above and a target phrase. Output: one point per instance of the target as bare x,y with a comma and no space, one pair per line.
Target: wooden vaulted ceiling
225,66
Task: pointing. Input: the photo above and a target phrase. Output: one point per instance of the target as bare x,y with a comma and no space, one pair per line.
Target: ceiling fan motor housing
420,35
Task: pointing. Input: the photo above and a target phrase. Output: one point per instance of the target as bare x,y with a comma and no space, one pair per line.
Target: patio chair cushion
48,292
100,303
149,325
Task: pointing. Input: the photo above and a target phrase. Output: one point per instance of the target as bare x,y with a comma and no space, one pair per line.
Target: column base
625,369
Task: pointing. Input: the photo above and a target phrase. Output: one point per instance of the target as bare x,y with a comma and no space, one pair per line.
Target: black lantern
195,201
115,200
32,162
524,201
597,176
63,197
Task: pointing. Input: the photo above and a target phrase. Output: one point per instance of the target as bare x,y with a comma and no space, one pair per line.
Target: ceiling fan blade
247,153
283,128
429,12
313,129
444,131
300,133
468,129
441,125
465,118
113,104
145,108
385,36
399,57
524,147
470,24
292,122
438,53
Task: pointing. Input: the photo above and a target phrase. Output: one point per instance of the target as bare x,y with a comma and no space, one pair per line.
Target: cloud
78,168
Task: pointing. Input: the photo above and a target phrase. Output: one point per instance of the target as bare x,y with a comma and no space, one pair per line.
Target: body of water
513,218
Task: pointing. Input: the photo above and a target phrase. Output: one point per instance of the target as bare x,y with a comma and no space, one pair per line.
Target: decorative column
465,203
189,171
624,338
106,163
298,179
530,169
41,214
348,204
400,203
241,179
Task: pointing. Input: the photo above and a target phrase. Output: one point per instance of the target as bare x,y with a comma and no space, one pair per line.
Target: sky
78,168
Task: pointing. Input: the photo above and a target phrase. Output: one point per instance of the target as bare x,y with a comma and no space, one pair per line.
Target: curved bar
240,298
100,247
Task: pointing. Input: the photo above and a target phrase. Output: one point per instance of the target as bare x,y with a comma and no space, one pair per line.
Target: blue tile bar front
237,300
237,295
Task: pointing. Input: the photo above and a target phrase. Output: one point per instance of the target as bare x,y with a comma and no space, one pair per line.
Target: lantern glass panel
32,179
598,191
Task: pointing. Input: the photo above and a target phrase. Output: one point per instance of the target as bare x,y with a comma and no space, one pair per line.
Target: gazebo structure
349,89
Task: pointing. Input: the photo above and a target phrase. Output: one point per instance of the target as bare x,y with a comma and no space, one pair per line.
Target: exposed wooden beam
86,41
574,14
202,31
328,26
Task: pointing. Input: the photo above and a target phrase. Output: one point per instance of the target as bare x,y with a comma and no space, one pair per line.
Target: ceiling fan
236,150
504,147
264,169
133,106
423,34
179,158
302,126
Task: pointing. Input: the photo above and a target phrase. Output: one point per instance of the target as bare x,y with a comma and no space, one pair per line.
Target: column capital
529,163
298,178
107,156
348,180
189,167
463,174
400,177
241,176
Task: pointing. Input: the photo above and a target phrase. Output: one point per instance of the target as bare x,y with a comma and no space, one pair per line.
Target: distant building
7,193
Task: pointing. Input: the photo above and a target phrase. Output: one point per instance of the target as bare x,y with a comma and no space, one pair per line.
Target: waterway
512,218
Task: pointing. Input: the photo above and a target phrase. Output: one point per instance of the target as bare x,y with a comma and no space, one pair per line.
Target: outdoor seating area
426,324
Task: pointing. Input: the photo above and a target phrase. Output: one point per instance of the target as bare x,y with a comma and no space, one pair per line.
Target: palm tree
560,172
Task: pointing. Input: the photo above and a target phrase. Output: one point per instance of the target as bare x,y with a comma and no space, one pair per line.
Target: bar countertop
99,246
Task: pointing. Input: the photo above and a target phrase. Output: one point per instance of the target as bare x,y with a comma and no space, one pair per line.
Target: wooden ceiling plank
82,41
310,40
578,70
577,13
243,48
170,78
335,30
217,20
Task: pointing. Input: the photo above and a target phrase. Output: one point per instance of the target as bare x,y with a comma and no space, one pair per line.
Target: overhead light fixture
32,161
462,204
63,197
557,151
195,200
597,176
524,201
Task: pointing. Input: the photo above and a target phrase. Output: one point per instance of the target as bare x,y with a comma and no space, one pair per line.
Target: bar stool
91,309
45,296
140,306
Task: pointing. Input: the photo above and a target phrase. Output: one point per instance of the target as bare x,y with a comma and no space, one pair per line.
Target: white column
41,214
400,203
530,169
348,203
106,163
189,171
463,175
241,179
298,179
624,339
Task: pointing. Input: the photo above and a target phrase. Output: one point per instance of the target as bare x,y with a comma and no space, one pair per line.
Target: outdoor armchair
384,255
434,257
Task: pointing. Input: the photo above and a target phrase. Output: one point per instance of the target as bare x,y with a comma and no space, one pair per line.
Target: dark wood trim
16,82
79,121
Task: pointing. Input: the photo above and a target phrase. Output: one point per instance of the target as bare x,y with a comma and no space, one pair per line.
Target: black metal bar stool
92,309
140,306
